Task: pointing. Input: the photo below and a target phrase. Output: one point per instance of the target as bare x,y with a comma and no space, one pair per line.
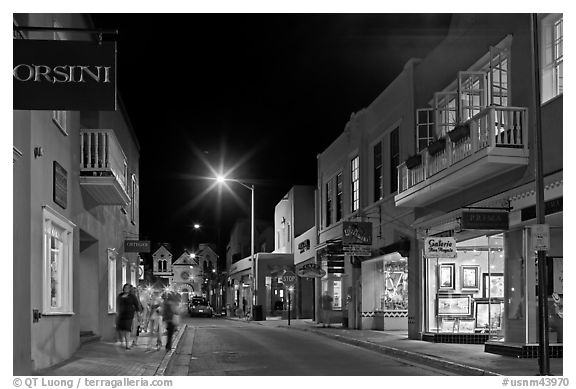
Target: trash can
257,314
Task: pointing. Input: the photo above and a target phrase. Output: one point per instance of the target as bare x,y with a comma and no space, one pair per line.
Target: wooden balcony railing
492,127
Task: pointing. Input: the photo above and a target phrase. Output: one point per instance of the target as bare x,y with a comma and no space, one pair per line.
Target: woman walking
127,305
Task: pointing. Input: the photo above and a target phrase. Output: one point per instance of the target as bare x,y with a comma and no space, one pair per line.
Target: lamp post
222,179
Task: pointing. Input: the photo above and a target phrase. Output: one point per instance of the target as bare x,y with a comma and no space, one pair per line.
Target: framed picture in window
446,276
470,277
488,313
454,305
466,326
493,285
447,325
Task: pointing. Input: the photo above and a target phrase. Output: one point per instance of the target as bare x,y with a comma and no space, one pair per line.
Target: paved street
225,347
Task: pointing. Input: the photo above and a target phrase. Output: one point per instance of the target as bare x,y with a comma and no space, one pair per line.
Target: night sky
261,94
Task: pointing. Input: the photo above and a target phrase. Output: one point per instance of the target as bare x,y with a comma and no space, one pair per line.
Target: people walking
169,318
127,305
137,324
155,322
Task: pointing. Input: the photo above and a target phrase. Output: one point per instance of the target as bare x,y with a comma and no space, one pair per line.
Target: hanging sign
484,220
311,270
354,233
136,246
437,247
64,75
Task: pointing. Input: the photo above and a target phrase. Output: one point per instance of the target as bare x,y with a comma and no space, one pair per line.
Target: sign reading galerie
440,247
64,75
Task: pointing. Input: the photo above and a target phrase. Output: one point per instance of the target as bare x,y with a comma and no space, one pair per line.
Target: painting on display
488,314
493,285
470,277
446,276
454,305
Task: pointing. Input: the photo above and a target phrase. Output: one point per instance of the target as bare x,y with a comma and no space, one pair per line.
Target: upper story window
552,56
446,112
329,205
60,118
394,159
111,281
355,183
57,288
378,183
135,200
339,198
424,128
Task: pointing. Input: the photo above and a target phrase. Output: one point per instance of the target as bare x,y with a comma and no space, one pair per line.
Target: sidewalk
462,359
111,359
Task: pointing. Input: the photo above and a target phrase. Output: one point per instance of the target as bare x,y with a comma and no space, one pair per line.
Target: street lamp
221,179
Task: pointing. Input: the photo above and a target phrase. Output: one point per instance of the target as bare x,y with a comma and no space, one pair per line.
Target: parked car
199,306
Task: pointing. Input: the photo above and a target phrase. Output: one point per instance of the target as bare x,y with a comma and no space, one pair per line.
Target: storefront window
466,294
332,287
385,283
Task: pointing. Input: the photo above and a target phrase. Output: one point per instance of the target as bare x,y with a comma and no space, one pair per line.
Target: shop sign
136,246
435,247
540,234
64,75
357,250
484,220
60,185
311,270
304,246
550,207
140,272
356,233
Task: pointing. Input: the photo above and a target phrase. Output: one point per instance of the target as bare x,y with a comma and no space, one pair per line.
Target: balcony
103,167
491,143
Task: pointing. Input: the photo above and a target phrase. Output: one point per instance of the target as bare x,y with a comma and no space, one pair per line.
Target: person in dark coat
169,313
127,305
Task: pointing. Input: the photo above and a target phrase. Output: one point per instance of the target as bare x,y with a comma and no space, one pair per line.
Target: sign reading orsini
64,75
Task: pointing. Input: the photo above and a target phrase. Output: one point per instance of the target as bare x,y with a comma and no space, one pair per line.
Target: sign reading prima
64,75
437,247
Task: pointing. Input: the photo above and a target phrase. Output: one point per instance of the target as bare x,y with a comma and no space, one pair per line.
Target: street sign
540,234
289,279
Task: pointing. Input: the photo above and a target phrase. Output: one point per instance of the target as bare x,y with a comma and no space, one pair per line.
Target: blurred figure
137,324
155,322
127,305
169,317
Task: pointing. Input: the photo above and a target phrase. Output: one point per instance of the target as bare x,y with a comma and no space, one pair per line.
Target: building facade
474,180
75,194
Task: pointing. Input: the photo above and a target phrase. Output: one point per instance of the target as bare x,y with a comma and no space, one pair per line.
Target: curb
403,354
168,357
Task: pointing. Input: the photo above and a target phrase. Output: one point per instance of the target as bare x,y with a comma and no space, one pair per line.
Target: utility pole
543,357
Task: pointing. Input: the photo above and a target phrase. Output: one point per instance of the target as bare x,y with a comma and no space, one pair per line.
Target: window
498,77
124,272
355,183
135,201
339,198
329,206
394,159
162,266
58,240
378,189
552,56
472,92
425,128
446,112
111,281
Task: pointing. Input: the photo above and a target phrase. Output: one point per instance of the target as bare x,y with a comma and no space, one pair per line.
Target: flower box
437,146
414,161
461,131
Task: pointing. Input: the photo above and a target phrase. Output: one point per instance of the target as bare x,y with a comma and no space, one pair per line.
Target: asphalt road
227,348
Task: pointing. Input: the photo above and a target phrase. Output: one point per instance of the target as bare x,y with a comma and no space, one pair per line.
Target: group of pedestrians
151,317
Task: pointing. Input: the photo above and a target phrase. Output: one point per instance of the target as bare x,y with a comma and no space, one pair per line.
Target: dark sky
264,93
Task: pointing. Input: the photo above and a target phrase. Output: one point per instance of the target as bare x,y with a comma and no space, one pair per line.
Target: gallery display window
465,294
385,283
332,292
